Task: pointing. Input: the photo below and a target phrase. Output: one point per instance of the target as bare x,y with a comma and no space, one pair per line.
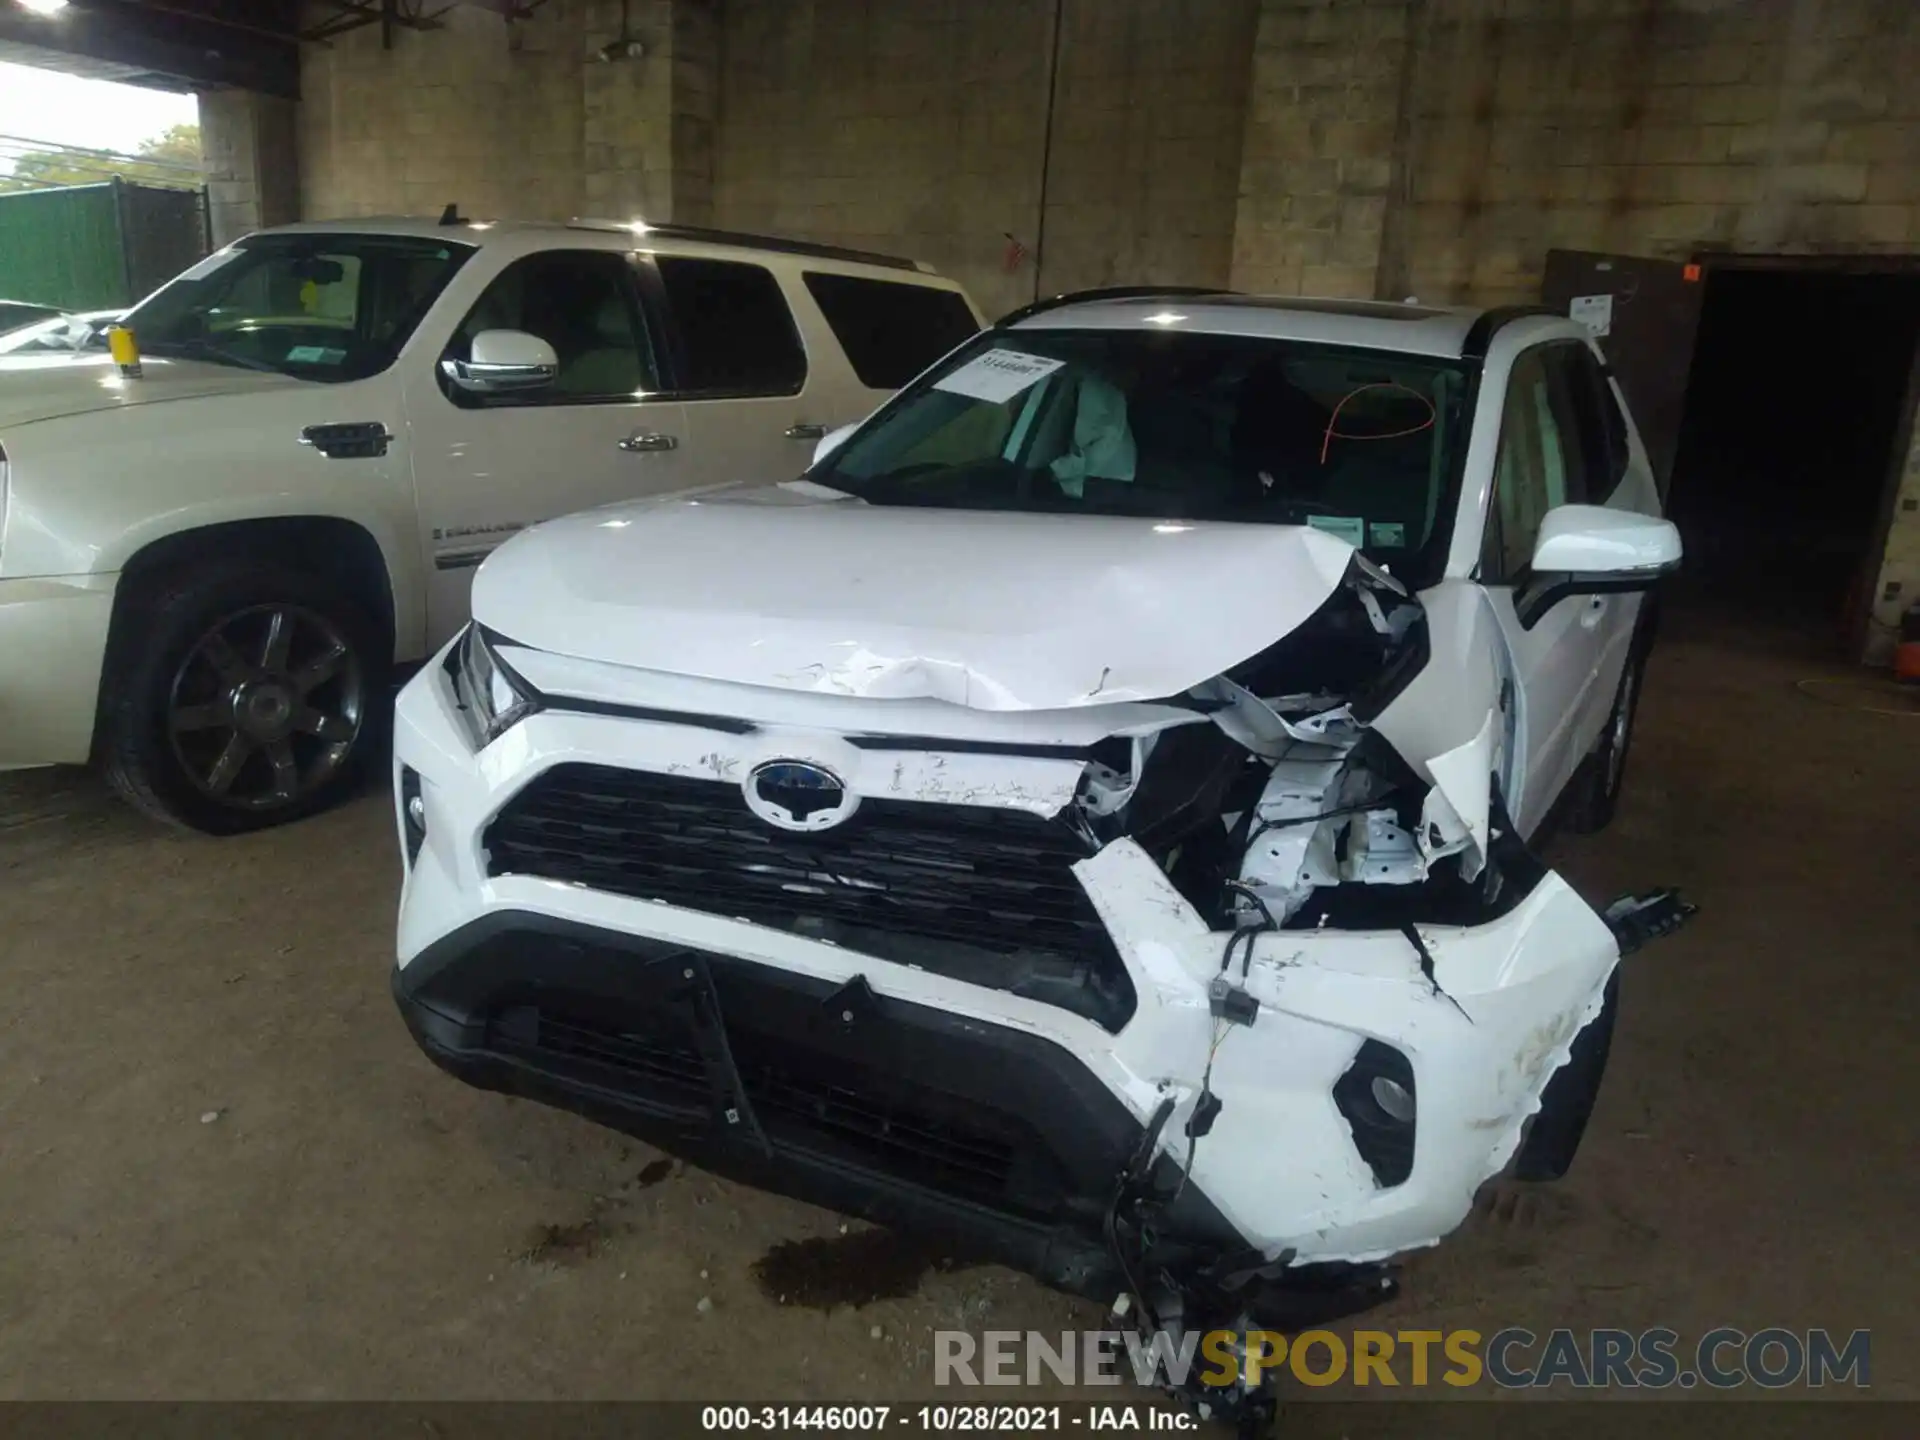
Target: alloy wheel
266,707
1620,728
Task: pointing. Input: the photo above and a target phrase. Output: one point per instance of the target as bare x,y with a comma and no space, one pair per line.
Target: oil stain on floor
852,1269
571,1244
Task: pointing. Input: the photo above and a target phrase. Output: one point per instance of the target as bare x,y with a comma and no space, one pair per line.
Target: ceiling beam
204,45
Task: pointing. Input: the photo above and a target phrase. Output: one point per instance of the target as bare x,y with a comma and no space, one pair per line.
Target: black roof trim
1474,347
776,243
1110,292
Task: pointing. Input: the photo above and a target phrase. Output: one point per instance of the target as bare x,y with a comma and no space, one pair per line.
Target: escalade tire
248,696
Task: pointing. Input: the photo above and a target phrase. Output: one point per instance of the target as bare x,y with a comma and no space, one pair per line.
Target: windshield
1177,426
320,307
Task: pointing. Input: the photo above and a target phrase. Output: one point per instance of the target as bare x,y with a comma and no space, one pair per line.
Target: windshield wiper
206,350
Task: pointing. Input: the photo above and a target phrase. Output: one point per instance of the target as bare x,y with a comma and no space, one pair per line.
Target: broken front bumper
1380,1081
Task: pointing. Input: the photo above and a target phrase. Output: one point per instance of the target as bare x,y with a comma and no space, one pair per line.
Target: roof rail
1109,292
1480,334
748,241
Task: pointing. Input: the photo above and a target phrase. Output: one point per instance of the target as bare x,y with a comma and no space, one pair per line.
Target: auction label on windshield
997,376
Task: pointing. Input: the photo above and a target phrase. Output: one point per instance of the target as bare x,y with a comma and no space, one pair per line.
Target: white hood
778,587
51,386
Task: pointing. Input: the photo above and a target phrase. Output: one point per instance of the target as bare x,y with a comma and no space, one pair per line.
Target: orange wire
1326,440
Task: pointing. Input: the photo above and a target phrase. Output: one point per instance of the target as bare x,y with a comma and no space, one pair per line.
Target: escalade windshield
1177,426
320,307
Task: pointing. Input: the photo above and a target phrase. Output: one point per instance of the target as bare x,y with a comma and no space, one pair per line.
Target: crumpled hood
49,387
778,586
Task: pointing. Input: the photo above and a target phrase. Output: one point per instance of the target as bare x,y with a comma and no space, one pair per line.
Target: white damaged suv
1087,813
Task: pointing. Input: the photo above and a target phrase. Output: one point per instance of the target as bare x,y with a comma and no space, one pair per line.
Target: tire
1605,770
248,696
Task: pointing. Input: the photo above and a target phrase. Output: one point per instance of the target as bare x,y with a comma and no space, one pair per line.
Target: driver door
487,466
1567,664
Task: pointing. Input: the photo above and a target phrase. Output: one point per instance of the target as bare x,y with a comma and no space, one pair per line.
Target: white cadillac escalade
209,569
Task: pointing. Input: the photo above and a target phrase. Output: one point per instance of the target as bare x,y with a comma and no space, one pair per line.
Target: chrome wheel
1621,728
266,707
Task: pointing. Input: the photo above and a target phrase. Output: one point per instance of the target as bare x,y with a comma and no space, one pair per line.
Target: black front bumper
996,1141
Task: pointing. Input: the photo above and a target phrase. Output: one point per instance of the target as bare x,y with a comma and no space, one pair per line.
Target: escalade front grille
982,893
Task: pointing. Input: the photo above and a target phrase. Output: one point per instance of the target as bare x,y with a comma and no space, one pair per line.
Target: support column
251,159
647,134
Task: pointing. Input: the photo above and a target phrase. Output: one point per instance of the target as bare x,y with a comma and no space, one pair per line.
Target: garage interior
225,1172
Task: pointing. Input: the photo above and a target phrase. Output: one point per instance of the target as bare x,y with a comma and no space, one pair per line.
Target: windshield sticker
1350,528
1388,533
997,376
315,355
212,263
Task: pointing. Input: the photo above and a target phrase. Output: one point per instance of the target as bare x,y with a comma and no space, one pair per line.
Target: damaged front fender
1480,1038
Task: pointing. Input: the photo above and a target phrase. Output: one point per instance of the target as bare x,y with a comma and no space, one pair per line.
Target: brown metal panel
1656,310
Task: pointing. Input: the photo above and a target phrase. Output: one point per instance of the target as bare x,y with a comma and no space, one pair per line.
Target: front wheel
250,697
1606,766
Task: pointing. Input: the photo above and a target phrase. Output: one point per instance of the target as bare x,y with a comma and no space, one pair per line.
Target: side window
736,335
1537,466
1603,426
1597,428
890,330
585,304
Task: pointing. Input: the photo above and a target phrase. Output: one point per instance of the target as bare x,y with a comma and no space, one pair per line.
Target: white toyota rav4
207,569
1087,812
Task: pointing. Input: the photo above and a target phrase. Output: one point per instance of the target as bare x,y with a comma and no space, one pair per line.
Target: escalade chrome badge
798,795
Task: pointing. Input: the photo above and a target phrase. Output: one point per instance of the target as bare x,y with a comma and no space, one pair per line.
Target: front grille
969,876
801,1097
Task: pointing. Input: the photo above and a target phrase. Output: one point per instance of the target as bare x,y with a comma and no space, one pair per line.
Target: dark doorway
1797,394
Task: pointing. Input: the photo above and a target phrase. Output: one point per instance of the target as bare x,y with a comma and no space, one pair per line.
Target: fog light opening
1392,1097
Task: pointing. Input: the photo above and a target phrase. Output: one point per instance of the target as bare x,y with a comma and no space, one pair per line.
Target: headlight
491,697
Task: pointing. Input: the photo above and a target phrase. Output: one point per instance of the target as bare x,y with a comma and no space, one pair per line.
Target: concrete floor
351,1223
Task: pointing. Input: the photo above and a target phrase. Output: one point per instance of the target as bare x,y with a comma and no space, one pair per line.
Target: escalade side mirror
504,360
1595,550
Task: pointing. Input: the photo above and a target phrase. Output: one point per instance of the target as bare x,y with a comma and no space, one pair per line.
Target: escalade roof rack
754,242
1110,292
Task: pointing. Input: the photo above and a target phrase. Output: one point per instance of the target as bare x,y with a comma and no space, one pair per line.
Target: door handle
805,430
643,443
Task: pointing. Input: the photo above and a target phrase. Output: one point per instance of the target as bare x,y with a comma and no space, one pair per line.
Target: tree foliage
157,162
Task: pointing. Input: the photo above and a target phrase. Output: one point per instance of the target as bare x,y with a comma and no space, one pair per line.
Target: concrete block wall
1144,175
249,154
476,112
527,118
1510,127
922,128
909,129
1317,163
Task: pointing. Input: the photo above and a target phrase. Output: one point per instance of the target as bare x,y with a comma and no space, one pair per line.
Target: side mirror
1595,550
832,441
503,361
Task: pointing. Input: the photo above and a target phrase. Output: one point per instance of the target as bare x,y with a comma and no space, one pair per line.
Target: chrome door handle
805,430
642,443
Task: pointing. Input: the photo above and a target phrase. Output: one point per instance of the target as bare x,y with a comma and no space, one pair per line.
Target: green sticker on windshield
315,355
1388,533
1350,528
